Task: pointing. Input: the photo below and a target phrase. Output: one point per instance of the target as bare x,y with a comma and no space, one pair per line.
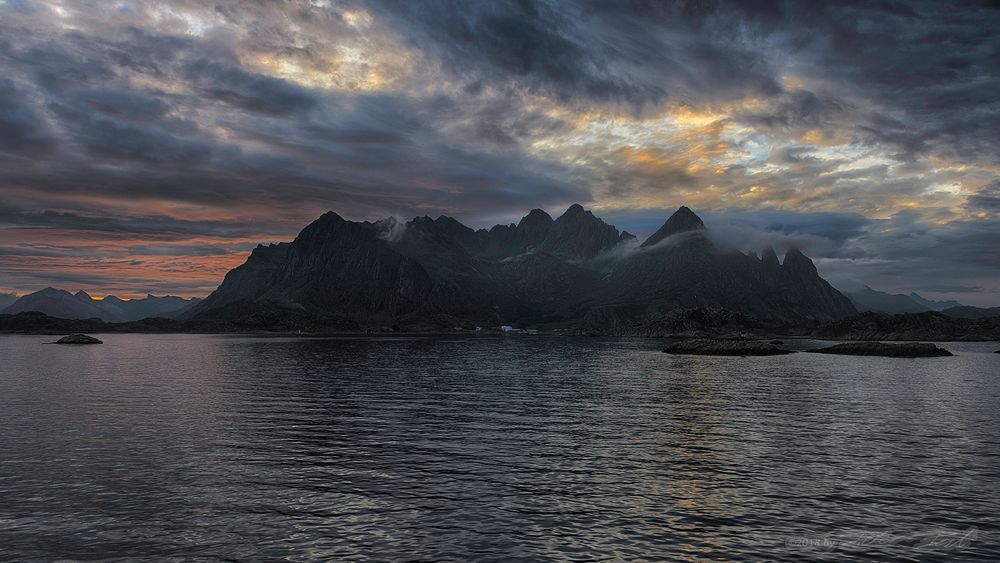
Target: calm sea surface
534,448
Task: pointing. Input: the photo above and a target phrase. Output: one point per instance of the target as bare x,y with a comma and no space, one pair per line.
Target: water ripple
238,448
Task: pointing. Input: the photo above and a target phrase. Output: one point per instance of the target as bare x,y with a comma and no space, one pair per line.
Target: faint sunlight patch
62,14
193,24
344,67
358,19
952,188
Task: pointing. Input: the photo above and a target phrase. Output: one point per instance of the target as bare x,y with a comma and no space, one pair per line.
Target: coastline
677,325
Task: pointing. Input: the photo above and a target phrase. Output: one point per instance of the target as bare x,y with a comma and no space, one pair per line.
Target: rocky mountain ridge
573,270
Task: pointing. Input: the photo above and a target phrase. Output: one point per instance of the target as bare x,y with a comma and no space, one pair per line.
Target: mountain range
868,299
575,270
65,305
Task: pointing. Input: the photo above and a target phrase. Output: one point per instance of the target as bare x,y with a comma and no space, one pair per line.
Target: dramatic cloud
145,146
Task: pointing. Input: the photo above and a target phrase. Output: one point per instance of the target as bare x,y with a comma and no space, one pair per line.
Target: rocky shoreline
707,323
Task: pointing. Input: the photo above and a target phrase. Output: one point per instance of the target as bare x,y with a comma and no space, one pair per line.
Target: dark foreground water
237,448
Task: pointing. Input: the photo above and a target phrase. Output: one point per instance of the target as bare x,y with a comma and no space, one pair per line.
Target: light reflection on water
490,448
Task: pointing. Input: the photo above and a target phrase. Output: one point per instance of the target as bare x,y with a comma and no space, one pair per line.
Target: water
540,448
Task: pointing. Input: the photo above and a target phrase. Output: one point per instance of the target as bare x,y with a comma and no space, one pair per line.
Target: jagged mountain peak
535,217
577,213
769,257
579,235
453,226
51,291
322,225
329,216
682,220
797,262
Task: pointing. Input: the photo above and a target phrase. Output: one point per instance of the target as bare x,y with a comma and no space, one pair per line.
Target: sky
146,147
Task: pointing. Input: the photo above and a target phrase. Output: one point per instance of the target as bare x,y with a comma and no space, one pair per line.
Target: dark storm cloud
905,254
931,68
796,109
22,130
112,139
837,227
137,225
138,101
247,90
258,116
635,52
987,199
950,288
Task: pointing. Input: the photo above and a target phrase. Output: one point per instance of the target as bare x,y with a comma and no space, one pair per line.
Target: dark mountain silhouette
573,270
59,303
579,235
62,304
6,299
686,270
868,299
683,220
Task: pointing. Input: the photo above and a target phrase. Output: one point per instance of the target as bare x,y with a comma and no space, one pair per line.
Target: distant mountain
62,304
573,270
868,299
969,312
6,299
935,305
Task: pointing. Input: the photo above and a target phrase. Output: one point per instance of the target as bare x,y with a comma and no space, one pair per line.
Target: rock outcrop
713,347
78,339
891,350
